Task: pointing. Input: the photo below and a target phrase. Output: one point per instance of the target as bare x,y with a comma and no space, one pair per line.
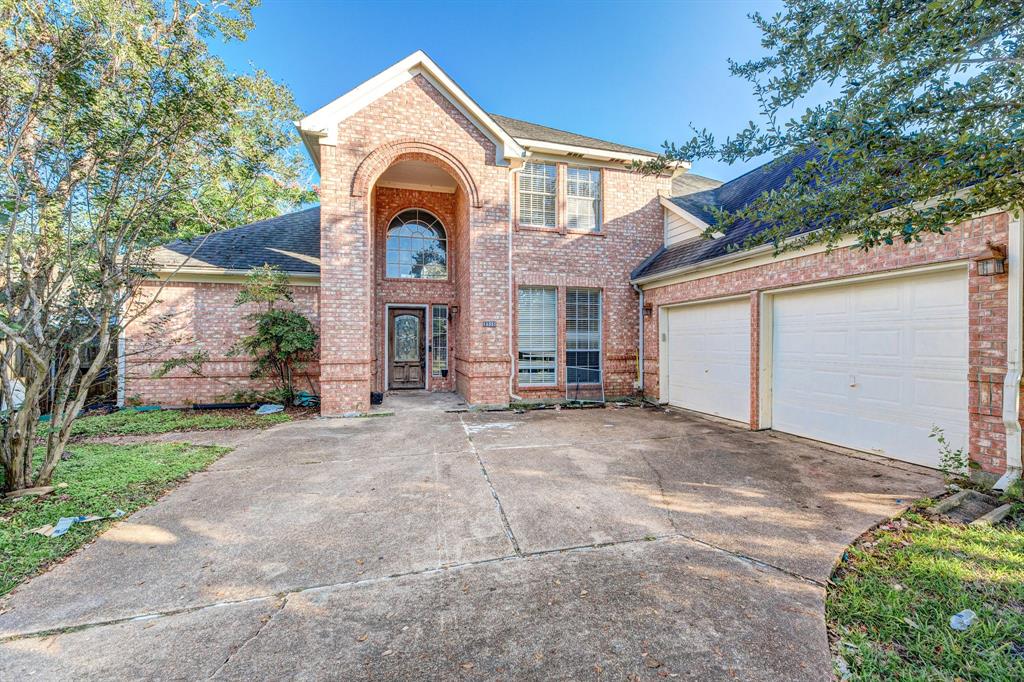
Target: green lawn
100,478
888,612
132,422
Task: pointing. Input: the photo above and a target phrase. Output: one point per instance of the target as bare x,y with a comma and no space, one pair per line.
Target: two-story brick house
457,250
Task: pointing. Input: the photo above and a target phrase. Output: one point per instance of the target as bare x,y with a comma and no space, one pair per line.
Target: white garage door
873,366
708,348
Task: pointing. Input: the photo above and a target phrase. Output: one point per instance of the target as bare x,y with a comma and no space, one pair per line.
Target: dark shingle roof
533,131
291,242
731,196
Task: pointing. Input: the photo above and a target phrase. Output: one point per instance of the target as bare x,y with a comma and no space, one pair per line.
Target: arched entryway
420,204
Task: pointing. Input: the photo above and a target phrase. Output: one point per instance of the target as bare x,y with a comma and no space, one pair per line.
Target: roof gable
323,123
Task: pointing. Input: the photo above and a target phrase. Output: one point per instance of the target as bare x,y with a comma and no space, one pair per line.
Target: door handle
853,381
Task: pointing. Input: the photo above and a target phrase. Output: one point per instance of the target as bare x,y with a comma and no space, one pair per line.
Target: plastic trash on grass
64,524
269,408
963,620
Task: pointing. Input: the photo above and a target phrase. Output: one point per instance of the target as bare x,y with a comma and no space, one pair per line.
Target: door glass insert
407,338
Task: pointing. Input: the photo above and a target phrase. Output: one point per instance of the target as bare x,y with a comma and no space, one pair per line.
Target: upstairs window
582,336
583,199
538,336
417,247
538,185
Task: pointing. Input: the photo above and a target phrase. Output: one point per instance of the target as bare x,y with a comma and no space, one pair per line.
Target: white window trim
520,192
554,372
599,212
600,335
433,346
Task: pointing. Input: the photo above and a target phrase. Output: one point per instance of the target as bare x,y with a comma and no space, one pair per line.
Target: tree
118,131
281,338
922,126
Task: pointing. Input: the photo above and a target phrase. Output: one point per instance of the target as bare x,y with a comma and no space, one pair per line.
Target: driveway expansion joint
282,601
494,493
282,596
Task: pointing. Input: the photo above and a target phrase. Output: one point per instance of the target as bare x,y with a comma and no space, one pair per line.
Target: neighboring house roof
291,242
688,183
524,130
730,196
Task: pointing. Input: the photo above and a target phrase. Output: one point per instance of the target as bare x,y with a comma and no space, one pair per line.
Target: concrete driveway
595,544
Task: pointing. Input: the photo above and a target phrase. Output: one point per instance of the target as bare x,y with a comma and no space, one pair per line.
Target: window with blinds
538,184
583,336
439,340
538,336
583,199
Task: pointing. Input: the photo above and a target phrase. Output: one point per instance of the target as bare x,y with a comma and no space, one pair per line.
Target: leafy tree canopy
923,126
119,130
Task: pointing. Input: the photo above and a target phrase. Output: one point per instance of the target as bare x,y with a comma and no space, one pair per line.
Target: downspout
640,341
1014,350
511,293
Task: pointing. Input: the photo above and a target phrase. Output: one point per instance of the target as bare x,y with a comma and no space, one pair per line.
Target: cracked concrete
598,543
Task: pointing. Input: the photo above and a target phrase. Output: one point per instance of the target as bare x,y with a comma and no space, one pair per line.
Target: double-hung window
583,336
538,336
439,340
583,207
538,183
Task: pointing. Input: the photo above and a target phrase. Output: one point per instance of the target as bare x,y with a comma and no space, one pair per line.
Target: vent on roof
574,155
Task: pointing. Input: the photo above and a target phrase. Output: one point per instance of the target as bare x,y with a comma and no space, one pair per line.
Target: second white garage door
708,347
873,366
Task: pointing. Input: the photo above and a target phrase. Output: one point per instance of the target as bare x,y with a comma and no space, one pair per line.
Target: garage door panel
902,343
709,358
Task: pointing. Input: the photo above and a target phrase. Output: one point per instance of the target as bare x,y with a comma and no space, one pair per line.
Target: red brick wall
632,228
987,316
414,121
195,316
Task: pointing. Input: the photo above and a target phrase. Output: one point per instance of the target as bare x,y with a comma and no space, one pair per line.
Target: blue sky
632,72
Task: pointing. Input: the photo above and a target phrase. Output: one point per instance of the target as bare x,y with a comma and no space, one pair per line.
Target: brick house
457,250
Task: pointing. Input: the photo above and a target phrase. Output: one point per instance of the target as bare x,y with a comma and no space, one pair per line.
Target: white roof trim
588,152
683,213
323,123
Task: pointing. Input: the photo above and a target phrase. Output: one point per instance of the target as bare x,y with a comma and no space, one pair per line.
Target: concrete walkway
597,544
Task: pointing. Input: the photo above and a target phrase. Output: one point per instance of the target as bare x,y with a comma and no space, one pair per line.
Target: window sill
536,228
417,280
588,233
535,387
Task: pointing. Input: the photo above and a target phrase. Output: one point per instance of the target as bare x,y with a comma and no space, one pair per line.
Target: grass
133,422
100,479
889,608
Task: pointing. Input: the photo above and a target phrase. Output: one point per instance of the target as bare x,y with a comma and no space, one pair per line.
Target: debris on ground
963,620
307,399
38,491
270,408
64,524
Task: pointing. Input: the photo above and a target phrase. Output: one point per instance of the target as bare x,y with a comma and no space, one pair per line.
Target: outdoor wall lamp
991,261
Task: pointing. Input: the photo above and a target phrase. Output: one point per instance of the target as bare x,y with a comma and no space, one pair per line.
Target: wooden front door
406,356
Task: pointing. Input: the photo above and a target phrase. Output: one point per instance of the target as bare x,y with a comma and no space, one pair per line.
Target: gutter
511,292
705,264
1014,351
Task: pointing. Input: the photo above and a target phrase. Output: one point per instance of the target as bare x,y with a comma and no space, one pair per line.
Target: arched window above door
417,246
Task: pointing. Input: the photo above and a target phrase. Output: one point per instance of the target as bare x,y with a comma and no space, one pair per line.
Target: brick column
345,292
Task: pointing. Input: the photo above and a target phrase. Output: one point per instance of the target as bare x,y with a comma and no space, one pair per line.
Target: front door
406,357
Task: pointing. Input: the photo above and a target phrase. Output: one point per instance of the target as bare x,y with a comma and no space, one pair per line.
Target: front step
971,506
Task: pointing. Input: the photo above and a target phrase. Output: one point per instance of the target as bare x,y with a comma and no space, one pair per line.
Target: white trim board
321,126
